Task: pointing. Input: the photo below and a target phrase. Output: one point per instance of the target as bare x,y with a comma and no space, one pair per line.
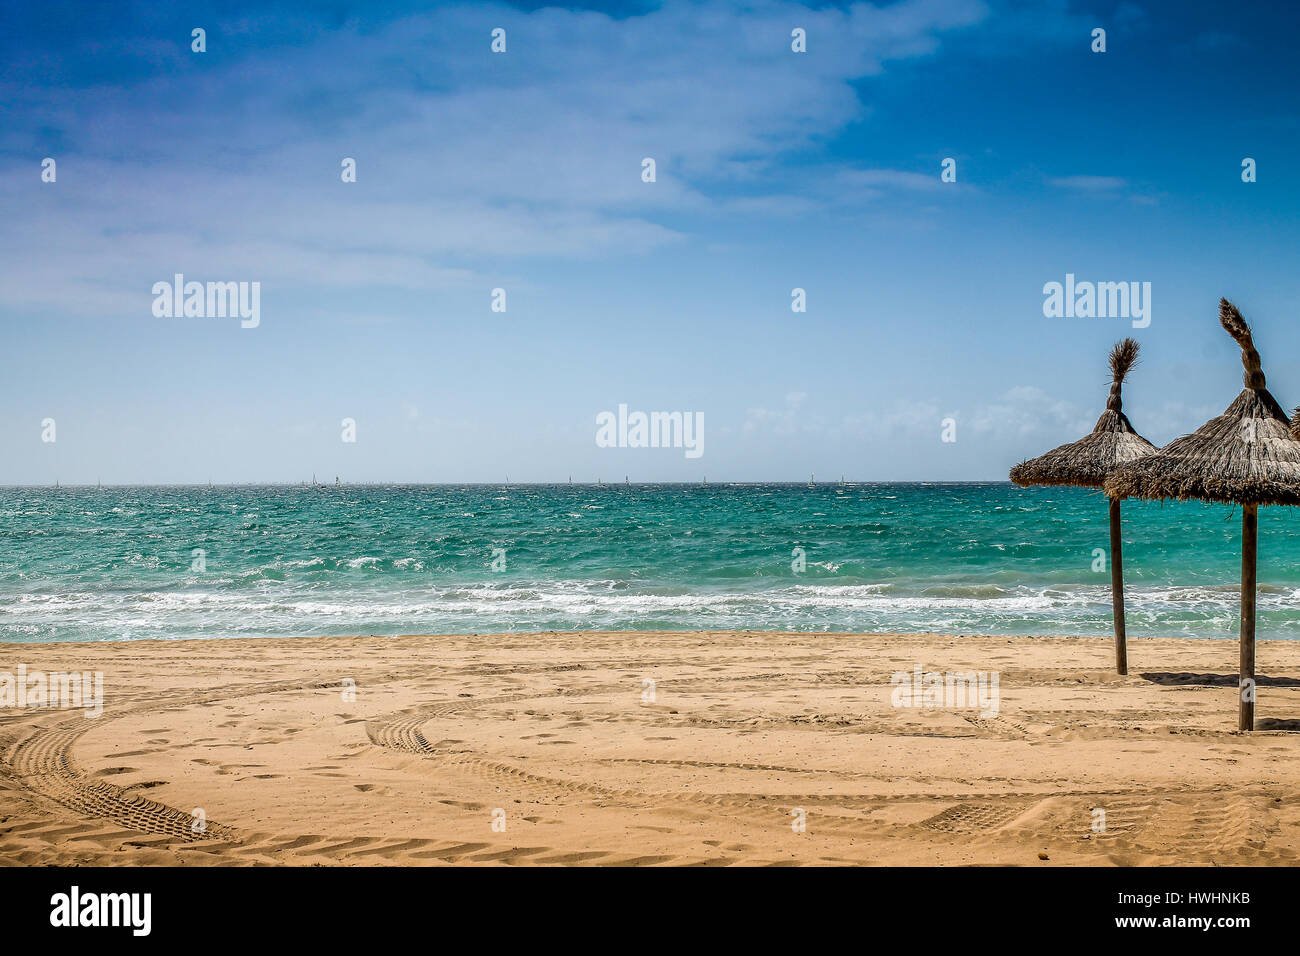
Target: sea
127,563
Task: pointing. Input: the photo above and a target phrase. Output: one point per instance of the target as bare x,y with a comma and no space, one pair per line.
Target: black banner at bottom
371,905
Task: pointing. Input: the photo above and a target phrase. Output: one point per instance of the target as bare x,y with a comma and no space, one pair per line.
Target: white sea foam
285,609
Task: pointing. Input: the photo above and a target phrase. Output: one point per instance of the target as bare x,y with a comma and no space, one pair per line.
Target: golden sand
556,748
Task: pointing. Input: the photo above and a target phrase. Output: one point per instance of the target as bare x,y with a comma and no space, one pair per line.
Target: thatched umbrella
1087,463
1246,456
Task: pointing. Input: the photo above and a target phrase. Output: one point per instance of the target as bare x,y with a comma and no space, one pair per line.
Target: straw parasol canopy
1088,462
1114,441
1247,456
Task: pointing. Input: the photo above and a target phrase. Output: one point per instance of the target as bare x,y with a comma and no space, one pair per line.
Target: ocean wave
290,610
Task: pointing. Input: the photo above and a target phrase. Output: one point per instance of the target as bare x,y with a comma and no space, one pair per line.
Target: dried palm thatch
1113,442
1250,456
1087,462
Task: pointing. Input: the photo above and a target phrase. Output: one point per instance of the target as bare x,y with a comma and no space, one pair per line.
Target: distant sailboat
705,481
626,482
337,483
811,483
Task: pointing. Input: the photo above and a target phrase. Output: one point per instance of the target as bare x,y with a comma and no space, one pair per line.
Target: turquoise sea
121,563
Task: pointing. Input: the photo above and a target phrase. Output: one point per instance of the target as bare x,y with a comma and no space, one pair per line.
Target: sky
522,171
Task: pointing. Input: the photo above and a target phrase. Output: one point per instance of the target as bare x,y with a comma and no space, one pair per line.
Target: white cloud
1027,410
1019,412
463,156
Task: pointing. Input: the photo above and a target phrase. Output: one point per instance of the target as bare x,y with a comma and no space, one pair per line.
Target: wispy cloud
227,163
1026,410
1021,411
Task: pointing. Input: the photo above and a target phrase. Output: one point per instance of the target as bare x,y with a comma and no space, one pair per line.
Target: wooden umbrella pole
1117,589
1246,688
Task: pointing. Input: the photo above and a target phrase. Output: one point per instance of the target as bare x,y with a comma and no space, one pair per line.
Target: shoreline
650,747
749,632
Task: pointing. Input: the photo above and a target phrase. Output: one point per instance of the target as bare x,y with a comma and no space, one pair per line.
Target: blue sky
522,171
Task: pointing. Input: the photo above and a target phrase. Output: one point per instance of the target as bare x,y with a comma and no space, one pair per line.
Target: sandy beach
706,748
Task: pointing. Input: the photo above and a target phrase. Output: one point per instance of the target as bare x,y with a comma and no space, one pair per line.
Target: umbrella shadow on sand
1195,679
